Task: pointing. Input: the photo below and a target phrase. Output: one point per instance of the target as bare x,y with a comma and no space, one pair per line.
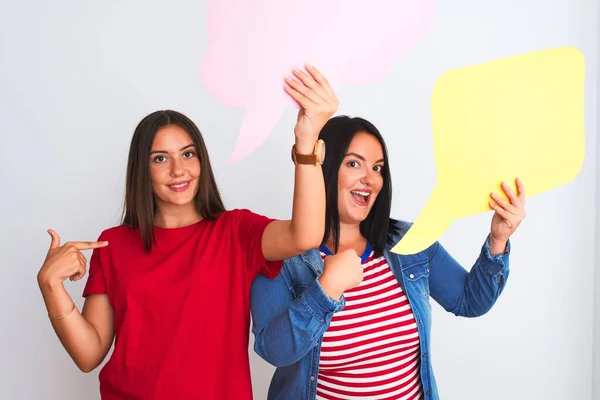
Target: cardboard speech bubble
253,45
520,116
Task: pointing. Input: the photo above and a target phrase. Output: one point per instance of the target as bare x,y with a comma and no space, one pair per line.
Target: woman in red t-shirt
171,284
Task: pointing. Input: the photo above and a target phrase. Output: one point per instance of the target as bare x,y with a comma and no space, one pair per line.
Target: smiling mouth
179,186
360,197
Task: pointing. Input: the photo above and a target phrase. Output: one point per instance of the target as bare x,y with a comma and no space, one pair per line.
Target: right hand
342,271
317,101
66,261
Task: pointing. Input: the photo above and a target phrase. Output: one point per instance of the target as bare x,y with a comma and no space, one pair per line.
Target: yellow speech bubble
520,116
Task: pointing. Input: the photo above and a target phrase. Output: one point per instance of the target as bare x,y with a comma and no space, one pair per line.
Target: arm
285,329
474,293
86,336
285,239
467,294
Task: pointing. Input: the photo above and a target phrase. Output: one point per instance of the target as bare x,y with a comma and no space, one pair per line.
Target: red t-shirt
182,311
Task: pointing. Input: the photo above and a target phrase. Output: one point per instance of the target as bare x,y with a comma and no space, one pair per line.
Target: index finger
89,245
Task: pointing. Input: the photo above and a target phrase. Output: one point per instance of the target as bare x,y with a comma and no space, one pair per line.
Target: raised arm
318,102
473,293
87,336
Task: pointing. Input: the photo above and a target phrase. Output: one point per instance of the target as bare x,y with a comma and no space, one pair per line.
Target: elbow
86,367
275,358
472,311
306,236
277,361
308,241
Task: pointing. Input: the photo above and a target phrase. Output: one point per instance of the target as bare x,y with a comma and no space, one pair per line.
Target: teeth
179,186
364,194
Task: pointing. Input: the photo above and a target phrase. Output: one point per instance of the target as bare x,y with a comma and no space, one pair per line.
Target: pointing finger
88,245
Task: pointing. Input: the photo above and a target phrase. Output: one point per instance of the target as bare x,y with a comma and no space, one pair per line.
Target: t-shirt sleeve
96,283
251,227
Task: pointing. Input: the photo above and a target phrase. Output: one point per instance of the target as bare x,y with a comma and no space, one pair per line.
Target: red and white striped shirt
371,350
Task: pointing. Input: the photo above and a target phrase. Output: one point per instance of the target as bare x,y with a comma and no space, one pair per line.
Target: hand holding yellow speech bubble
520,116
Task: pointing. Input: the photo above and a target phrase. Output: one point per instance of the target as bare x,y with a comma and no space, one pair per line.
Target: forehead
171,136
366,145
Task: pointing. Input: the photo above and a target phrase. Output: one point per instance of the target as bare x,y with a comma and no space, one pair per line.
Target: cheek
347,179
154,173
194,168
378,184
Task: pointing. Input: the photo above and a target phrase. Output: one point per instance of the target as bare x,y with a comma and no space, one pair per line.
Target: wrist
305,145
329,288
497,246
47,284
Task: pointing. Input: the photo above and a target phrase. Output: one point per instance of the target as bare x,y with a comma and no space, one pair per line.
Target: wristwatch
316,158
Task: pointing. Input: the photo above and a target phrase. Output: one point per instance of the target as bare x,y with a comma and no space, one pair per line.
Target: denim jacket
291,313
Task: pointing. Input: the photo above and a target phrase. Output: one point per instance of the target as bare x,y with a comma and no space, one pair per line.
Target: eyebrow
362,158
165,152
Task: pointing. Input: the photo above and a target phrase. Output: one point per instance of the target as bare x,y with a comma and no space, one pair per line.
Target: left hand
508,215
318,103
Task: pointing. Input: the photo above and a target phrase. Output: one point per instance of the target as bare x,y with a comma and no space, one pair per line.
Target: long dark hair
377,228
140,205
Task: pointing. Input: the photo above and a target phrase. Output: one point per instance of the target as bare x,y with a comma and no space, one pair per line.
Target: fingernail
296,70
309,66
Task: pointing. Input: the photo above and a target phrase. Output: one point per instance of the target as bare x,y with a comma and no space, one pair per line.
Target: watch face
322,153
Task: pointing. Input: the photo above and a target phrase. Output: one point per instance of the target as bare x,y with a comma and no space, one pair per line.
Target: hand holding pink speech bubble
254,44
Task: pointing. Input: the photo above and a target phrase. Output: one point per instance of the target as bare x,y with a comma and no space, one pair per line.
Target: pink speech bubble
254,44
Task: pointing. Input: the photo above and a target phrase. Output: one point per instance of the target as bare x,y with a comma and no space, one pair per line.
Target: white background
77,76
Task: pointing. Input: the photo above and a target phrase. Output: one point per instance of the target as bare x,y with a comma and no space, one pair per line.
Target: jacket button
411,276
312,378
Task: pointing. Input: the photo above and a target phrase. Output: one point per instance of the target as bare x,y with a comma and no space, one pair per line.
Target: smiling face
360,178
174,167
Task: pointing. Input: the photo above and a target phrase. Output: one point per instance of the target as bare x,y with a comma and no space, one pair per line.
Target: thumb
55,239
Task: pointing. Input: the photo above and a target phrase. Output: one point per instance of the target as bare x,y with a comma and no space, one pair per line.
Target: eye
378,168
189,154
353,164
159,159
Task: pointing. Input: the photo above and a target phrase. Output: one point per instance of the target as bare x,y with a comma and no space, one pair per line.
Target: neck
175,216
350,238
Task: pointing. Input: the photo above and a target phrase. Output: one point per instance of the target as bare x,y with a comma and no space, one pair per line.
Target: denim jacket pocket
417,276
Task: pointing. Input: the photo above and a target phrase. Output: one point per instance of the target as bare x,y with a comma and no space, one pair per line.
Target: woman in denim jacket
340,326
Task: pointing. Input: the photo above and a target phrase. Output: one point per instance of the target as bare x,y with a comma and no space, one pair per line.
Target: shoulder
239,214
399,228
245,219
117,232
304,266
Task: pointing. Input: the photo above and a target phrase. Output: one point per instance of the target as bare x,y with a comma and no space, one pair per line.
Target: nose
177,168
367,178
